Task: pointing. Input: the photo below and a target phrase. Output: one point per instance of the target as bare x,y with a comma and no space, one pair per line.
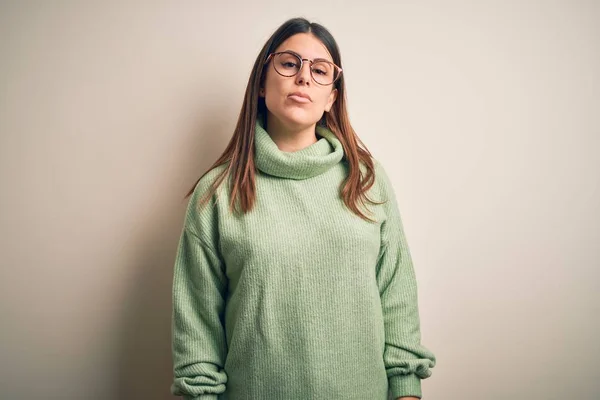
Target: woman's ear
331,100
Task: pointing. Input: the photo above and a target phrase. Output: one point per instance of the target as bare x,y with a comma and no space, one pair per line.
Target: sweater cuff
405,385
202,397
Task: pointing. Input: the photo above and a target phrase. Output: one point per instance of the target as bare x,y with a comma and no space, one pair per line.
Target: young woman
293,278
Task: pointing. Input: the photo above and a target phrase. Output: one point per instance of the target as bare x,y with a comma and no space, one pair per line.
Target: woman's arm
406,360
199,291
199,347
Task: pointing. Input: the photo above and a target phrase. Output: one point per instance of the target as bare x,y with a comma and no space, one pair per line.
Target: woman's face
293,112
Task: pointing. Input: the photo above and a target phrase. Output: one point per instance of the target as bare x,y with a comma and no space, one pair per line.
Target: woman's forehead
306,45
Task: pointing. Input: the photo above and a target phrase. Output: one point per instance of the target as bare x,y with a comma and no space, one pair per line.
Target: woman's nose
303,77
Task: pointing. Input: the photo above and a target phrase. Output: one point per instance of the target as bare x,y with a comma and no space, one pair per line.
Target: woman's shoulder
207,180
382,185
201,210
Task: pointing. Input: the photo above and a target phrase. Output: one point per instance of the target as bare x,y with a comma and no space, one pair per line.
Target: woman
286,284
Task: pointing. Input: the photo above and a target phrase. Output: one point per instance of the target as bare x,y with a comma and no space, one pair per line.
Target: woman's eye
289,64
320,71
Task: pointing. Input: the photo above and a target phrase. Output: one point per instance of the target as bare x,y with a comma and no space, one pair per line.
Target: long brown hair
239,152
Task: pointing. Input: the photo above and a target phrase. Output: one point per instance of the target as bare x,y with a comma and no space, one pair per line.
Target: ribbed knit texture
300,298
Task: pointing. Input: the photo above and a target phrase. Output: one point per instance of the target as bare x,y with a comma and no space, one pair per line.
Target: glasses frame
336,67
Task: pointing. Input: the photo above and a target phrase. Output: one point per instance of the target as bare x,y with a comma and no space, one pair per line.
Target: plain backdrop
486,114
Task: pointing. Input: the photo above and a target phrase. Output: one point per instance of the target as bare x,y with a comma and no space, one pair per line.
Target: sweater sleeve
406,360
199,293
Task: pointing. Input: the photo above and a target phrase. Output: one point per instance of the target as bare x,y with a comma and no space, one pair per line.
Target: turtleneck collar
306,163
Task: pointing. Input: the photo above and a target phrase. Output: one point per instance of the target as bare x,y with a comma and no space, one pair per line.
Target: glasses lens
287,64
323,72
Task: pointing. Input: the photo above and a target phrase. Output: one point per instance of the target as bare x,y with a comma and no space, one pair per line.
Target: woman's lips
299,99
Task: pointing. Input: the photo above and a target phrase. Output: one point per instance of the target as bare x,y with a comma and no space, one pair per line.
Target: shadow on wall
144,369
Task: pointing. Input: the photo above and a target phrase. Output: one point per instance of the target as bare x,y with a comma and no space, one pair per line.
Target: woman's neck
290,139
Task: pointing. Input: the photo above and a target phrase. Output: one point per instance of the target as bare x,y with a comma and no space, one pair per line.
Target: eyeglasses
288,64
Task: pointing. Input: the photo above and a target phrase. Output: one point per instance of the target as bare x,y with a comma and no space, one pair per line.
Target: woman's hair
239,152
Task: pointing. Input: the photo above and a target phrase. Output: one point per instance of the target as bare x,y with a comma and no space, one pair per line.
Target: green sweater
300,298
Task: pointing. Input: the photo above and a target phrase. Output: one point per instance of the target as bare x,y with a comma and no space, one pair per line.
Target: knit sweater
300,298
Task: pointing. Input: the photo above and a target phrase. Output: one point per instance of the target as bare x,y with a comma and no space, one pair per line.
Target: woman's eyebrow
299,55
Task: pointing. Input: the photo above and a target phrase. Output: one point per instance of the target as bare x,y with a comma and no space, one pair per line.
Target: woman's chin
299,117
